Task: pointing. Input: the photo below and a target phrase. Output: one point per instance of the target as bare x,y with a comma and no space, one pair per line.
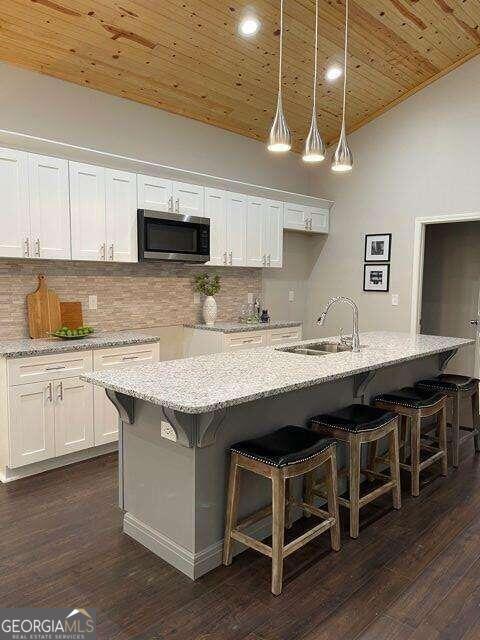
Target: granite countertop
40,347
237,327
211,382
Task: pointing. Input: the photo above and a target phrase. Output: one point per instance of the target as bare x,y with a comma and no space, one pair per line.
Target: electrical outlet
166,431
92,302
250,298
394,299
291,296
196,298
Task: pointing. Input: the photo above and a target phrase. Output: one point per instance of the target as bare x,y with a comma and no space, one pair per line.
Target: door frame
419,255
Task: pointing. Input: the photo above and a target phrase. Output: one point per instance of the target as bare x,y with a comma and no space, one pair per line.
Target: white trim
418,256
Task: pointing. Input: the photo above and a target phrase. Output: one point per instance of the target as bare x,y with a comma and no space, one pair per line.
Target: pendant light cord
281,50
345,64
314,106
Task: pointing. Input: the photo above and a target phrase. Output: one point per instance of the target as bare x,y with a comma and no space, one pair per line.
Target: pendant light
279,139
314,150
342,160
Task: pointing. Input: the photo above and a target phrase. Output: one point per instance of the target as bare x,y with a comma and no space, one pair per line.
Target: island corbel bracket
361,382
125,405
445,358
194,430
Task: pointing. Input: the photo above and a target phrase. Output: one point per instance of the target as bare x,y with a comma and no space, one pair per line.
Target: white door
14,217
106,418
49,207
256,252
31,423
73,399
154,193
188,199
273,230
121,215
216,210
87,206
319,218
295,217
236,229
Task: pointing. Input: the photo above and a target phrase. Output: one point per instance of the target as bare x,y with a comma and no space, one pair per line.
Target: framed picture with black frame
378,247
376,277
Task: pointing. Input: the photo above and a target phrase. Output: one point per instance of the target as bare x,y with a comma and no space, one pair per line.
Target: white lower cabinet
73,402
202,341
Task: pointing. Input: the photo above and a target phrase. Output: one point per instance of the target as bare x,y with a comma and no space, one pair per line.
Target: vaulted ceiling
185,56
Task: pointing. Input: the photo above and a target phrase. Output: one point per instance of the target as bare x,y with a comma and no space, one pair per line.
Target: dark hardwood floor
412,574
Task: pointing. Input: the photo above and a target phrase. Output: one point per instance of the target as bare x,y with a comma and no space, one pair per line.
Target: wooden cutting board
43,307
71,314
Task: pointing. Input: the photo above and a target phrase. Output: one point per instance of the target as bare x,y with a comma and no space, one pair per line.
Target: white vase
209,310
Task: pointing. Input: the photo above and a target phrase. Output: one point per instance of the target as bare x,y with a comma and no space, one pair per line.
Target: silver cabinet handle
60,391
55,367
306,224
50,391
130,357
37,247
110,256
310,223
170,204
103,249
269,260
231,257
26,250
225,258
264,260
177,205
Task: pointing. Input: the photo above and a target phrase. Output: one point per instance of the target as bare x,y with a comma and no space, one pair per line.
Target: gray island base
173,493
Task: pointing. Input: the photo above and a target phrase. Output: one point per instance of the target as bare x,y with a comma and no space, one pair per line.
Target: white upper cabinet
273,233
121,215
14,217
295,217
256,222
87,205
319,220
236,230
216,211
188,199
155,194
49,207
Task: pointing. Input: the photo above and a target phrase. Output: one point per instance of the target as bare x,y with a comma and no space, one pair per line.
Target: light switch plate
291,296
92,302
395,300
250,298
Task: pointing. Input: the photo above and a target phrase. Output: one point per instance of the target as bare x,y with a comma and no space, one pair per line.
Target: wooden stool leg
442,439
232,508
288,506
354,486
278,525
404,437
476,419
394,456
415,427
308,497
456,430
332,495
372,455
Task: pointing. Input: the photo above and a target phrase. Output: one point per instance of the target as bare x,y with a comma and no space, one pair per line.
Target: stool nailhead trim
278,466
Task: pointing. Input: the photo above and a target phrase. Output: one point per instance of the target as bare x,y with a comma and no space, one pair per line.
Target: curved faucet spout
352,304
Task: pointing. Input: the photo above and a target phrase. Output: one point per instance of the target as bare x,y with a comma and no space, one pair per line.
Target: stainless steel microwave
172,236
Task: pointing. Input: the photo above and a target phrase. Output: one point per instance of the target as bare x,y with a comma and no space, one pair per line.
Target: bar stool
281,455
413,404
458,388
355,425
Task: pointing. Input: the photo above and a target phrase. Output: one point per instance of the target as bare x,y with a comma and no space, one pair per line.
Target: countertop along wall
420,159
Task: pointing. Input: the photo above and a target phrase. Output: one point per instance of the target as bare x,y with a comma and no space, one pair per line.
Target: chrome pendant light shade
314,149
280,139
342,160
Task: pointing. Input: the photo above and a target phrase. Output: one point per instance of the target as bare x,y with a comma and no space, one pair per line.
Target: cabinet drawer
279,336
50,367
247,340
117,357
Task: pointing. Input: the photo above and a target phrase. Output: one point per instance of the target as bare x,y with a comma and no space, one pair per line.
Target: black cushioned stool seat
355,418
358,425
448,382
285,446
413,397
281,456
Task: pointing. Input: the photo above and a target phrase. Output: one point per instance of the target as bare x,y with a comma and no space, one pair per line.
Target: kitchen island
179,418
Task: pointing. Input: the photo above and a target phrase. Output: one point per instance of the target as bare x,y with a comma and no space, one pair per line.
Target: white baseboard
9,475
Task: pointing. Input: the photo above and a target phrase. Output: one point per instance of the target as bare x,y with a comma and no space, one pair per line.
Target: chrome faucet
351,303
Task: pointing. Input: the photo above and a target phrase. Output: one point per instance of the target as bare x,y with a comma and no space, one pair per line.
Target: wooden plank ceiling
185,56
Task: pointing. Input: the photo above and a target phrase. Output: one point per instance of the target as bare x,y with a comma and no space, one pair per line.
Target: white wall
421,158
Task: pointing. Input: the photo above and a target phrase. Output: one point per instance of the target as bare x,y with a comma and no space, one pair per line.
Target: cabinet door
189,199
236,229
121,215
320,219
216,210
295,217
14,217
87,205
154,193
31,423
256,251
49,207
273,233
245,340
73,401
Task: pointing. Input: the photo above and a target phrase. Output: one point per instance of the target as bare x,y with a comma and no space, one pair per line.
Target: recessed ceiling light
249,25
333,73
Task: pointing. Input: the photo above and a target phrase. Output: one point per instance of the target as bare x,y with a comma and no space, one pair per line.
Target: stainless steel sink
317,349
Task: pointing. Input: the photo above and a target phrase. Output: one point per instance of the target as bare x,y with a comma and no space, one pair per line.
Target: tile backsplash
129,296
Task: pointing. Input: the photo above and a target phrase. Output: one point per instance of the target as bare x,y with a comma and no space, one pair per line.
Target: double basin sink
317,349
